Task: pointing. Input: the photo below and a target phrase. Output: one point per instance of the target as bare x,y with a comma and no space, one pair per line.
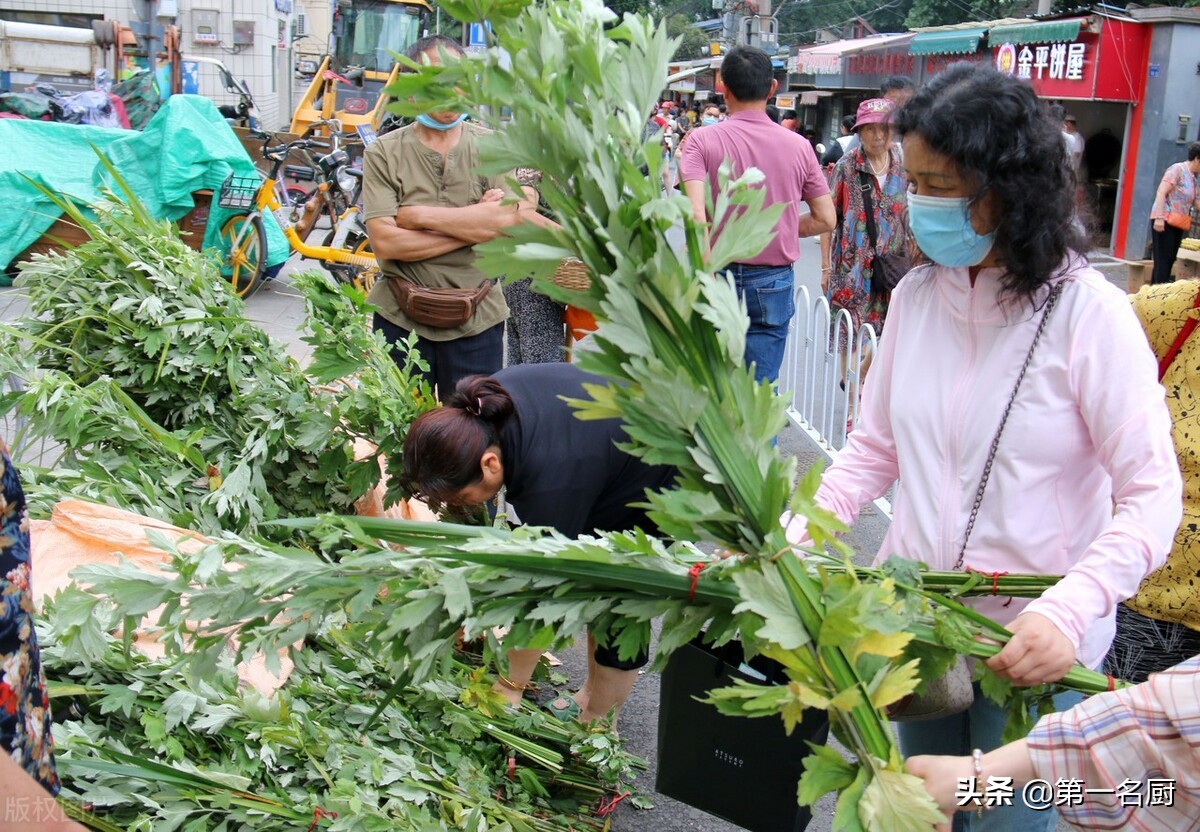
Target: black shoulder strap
865,184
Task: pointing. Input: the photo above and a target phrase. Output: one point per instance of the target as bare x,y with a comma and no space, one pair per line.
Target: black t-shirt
563,472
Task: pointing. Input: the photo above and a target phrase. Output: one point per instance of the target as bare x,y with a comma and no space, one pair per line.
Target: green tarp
1047,31
947,42
186,147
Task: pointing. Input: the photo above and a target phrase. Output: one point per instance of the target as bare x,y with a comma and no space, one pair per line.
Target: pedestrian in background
535,332
1171,217
870,180
425,210
1015,398
837,147
1075,145
792,175
710,115
817,145
897,89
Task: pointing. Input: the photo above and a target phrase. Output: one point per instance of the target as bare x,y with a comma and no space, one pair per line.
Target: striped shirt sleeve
1131,757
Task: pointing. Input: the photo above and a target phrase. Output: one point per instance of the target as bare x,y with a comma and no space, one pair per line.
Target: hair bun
482,397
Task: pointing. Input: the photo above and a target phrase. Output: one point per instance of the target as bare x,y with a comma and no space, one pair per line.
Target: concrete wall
266,64
319,17
1175,91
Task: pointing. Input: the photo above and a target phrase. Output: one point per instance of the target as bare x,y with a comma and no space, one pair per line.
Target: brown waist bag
438,308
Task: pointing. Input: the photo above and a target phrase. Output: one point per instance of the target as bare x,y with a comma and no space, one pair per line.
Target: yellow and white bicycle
347,255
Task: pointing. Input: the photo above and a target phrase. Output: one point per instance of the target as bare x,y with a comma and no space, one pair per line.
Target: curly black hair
1001,137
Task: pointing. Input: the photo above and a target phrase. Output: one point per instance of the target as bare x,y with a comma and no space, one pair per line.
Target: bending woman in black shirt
514,430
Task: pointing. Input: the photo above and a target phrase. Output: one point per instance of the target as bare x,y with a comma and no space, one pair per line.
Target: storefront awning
810,98
826,58
1046,31
947,42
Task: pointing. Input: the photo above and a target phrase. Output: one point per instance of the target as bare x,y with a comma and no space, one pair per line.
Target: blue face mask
707,120
429,121
942,228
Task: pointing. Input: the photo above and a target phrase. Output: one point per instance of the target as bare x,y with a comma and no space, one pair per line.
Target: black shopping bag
742,770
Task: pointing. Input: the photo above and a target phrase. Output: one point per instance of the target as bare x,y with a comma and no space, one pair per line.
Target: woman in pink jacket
1084,481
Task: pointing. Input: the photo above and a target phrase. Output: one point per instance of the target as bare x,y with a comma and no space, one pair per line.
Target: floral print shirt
1184,193
1170,593
850,255
24,703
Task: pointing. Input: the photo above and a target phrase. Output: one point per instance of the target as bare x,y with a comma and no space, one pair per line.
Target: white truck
31,53
67,58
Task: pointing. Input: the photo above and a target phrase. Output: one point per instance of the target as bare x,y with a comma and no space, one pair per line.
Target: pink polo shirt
749,139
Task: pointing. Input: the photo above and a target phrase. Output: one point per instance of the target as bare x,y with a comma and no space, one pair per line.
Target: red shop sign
879,63
1056,70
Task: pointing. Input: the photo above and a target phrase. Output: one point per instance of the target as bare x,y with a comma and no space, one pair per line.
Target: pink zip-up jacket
1085,483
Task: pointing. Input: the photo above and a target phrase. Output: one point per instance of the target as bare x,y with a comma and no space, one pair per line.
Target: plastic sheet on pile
186,147
79,533
371,503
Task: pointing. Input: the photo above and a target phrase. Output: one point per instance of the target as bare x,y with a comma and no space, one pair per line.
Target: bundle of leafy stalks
164,399
149,745
672,344
142,368
404,609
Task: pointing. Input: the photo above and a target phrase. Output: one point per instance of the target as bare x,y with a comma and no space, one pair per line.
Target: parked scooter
244,113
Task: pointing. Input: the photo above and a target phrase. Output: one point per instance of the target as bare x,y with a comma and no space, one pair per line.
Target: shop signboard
1056,70
816,63
1093,65
881,64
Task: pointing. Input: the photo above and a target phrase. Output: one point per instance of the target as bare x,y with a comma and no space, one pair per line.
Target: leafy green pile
166,400
141,363
206,755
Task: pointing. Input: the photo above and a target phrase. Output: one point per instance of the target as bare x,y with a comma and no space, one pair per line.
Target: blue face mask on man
432,123
942,228
707,120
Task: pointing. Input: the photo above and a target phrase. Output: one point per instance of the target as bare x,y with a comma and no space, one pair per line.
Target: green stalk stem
1079,678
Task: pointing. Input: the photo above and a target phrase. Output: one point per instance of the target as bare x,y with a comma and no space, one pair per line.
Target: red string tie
319,813
1112,683
607,807
694,574
995,576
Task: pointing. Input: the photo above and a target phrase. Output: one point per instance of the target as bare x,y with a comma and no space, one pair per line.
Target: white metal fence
822,381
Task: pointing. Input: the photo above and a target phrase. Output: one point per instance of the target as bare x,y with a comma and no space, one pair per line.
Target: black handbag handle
869,206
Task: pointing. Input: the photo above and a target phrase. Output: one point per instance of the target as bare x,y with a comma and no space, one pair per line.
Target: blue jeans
979,727
768,294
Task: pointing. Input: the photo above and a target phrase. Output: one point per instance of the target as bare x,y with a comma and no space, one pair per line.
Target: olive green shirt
399,170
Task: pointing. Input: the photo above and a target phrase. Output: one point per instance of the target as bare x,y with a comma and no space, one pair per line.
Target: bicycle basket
239,191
